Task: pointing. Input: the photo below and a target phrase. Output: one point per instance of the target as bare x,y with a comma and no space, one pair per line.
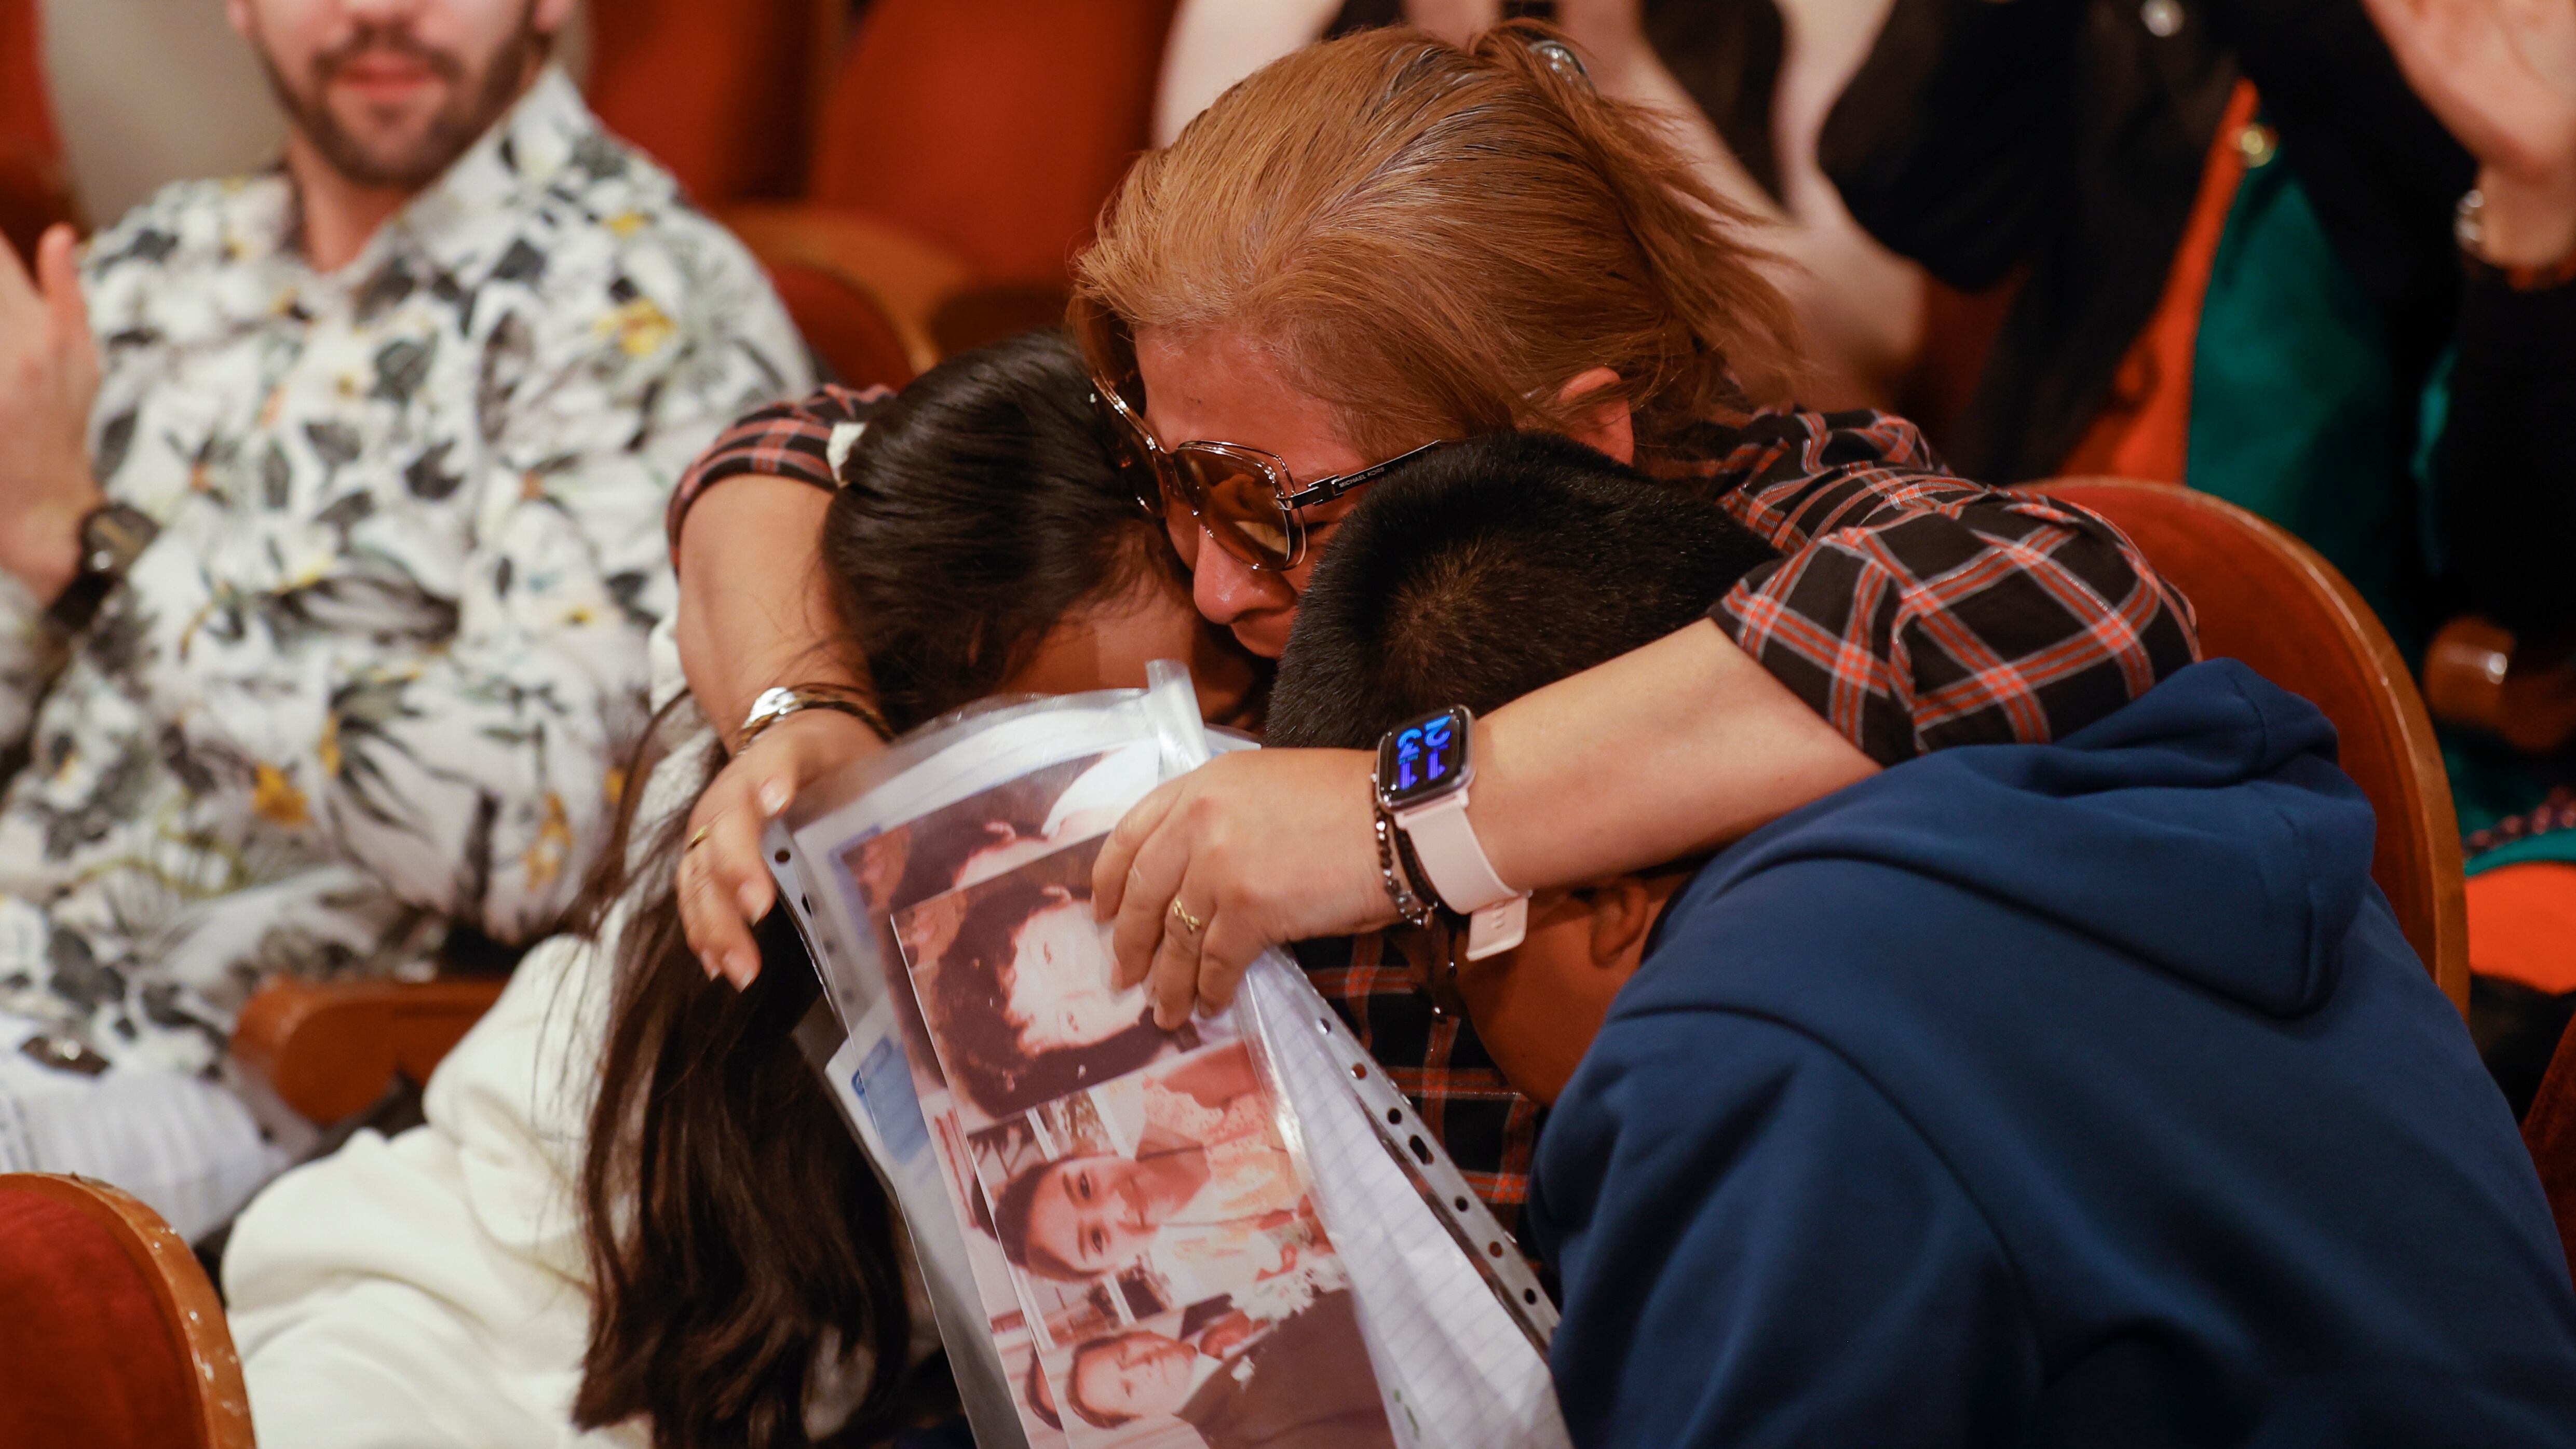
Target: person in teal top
2359,375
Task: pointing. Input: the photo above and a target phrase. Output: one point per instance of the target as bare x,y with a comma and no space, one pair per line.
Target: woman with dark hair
712,1256
1021,1002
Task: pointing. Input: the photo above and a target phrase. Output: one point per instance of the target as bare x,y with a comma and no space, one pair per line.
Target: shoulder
614,251
187,226
645,215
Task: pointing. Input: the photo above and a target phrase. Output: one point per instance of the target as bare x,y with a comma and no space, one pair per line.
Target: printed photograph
1013,976
1174,1183
1214,1375
975,839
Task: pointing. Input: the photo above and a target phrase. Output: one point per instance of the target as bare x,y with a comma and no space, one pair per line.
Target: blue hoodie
2077,1094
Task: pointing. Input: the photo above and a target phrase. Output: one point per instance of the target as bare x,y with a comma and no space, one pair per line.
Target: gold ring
1189,923
697,838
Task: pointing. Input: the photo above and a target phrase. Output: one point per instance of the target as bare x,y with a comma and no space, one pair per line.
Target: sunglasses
1242,497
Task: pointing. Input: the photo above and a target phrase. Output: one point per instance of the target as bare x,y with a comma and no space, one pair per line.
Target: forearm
1675,748
755,607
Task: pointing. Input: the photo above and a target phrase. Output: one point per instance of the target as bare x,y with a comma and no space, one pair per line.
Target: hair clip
1560,57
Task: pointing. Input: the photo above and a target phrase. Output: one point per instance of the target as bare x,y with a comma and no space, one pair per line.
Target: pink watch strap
1446,844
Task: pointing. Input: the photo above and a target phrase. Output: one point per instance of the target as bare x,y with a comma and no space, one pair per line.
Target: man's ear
1608,426
1623,910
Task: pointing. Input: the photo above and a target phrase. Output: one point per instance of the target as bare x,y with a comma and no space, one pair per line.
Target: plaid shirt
804,440
1912,609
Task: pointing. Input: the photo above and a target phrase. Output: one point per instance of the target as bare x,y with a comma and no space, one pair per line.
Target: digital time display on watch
1423,759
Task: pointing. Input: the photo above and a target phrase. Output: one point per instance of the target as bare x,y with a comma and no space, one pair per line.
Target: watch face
1423,759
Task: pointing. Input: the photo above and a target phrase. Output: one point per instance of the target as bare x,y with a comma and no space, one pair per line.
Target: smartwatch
1423,770
112,537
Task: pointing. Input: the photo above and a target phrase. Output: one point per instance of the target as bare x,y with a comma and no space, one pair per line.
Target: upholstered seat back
2265,598
110,1335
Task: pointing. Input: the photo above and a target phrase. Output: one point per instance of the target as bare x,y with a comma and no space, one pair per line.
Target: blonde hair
1434,241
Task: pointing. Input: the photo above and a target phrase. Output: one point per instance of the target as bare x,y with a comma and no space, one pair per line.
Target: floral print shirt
373,678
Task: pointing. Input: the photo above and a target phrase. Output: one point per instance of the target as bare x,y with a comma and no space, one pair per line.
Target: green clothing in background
2296,414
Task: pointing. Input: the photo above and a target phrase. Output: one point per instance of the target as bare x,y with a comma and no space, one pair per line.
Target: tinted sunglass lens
1240,506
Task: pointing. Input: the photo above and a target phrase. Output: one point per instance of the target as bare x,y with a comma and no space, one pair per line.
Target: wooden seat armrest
938,305
2479,675
331,1049
907,275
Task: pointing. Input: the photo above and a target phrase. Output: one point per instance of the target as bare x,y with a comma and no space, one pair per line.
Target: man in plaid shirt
1911,609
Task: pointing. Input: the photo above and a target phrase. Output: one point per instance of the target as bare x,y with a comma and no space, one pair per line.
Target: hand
724,883
48,380
1262,847
2501,76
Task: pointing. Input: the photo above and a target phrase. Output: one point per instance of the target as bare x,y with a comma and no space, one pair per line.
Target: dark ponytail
737,1235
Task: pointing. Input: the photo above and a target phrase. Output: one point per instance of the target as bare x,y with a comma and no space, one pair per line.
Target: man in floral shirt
329,543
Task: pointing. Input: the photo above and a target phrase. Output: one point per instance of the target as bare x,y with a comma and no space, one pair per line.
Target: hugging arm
1912,611
1916,611
756,612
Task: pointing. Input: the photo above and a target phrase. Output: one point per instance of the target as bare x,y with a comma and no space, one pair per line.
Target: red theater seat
843,324
332,1049
2549,1130
2267,599
33,192
722,95
994,128
110,1335
962,156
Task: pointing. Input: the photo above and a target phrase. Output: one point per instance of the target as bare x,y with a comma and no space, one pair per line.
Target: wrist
40,543
845,731
2524,221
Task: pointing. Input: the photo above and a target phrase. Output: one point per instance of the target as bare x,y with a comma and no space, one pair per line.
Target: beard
421,150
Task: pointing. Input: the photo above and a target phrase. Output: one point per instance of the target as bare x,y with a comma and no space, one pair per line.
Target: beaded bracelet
1409,906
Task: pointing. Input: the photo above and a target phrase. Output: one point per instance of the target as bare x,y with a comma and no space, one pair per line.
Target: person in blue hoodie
2069,1094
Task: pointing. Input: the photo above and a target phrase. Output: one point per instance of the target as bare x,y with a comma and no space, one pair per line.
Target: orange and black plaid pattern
1435,1060
1915,610
1912,609
785,440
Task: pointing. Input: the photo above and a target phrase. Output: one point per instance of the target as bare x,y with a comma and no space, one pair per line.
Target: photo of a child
1013,974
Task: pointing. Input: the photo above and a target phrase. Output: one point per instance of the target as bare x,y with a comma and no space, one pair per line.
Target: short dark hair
1096,1418
969,1006
1483,571
1011,1209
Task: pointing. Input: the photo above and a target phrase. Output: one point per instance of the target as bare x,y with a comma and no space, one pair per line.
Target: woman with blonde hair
1379,244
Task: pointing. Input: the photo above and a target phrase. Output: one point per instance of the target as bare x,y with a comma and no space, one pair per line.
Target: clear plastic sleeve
1195,1222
